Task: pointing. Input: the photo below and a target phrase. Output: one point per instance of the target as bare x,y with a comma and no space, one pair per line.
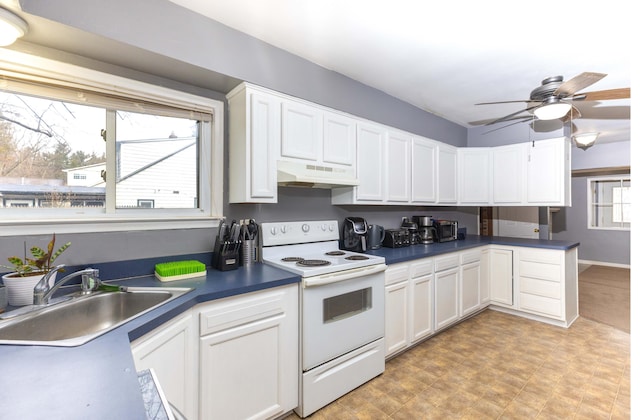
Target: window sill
38,227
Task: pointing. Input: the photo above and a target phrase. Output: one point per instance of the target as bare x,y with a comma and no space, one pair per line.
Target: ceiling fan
555,98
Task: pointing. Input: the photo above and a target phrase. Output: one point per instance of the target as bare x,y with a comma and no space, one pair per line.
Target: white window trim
590,201
212,153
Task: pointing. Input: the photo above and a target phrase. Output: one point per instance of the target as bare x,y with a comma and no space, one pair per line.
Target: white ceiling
446,56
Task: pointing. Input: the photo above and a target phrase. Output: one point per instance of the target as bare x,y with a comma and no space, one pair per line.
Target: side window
609,203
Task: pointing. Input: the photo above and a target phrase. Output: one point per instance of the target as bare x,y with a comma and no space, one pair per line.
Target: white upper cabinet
339,146
474,175
254,127
370,162
549,172
447,174
301,132
423,171
509,166
398,167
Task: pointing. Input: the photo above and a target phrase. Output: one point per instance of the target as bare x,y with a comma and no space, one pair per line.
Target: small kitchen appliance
354,234
412,227
396,238
426,231
341,308
375,236
446,230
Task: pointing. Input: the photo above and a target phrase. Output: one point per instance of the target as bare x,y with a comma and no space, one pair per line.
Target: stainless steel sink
83,318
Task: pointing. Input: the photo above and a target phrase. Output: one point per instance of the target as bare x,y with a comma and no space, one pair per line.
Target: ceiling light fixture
586,140
12,27
552,109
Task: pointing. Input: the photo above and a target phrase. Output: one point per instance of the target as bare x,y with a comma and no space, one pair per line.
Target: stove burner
357,257
335,253
292,259
312,263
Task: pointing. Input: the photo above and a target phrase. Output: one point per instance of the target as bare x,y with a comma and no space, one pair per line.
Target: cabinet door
509,163
485,277
249,355
398,167
501,273
474,175
370,149
547,172
446,298
421,307
423,171
263,143
171,351
447,174
301,131
396,317
470,285
339,146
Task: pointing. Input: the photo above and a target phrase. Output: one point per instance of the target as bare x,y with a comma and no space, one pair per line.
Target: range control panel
288,233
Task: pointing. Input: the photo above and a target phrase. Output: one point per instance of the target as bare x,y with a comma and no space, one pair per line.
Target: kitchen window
79,147
609,201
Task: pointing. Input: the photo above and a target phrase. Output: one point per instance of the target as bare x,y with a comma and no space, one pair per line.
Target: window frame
590,203
211,156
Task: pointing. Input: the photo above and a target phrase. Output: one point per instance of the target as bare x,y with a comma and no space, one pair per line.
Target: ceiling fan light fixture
586,140
12,27
552,109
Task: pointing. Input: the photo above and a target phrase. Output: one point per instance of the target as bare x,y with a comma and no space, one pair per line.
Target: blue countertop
397,255
98,380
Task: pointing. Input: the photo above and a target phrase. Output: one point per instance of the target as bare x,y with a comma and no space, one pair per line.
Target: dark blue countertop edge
398,255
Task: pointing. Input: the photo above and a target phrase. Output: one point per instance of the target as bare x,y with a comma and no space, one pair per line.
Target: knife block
226,255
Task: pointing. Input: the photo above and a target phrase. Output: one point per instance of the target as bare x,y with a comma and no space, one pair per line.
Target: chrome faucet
42,292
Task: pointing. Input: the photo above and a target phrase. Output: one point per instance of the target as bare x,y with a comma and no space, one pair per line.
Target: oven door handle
343,275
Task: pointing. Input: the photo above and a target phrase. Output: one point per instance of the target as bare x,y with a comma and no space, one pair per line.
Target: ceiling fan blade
507,117
508,102
508,125
603,95
578,83
572,115
485,122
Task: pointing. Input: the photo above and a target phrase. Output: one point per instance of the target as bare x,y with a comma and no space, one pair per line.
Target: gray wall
570,223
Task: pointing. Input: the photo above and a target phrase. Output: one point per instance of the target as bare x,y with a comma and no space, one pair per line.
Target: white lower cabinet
249,355
470,279
446,298
501,276
396,291
232,358
171,351
408,304
547,283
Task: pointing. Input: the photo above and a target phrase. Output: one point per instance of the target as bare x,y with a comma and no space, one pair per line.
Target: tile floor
499,366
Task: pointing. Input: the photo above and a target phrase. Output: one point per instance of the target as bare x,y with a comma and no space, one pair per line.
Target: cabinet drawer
446,262
541,256
469,257
540,287
231,312
540,270
422,268
540,304
396,273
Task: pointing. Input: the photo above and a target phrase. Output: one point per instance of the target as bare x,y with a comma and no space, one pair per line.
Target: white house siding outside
86,176
158,173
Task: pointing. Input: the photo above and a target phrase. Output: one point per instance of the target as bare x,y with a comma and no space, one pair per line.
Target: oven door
341,315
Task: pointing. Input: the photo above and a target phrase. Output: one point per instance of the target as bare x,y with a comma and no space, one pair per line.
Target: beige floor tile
498,366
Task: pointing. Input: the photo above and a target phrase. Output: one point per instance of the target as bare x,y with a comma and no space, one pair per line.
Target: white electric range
341,308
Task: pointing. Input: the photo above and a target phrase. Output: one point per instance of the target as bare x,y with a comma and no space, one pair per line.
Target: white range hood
298,174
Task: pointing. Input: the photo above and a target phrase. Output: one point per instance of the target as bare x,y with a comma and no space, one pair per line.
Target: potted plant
28,271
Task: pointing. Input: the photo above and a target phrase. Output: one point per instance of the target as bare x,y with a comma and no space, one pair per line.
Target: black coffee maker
354,234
